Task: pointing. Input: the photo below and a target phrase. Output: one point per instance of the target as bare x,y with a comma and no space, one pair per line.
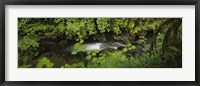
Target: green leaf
93,54
94,59
125,50
83,47
74,52
77,39
81,40
44,62
76,46
67,66
88,57
128,45
133,47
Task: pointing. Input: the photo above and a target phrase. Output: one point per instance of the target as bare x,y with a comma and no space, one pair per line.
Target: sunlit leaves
117,30
129,47
115,60
82,30
74,52
81,41
66,66
88,57
26,43
23,21
78,47
44,62
91,54
103,24
125,50
83,47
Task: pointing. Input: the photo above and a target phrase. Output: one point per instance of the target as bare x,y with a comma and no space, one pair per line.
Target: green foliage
129,47
26,43
175,49
44,62
75,65
161,38
74,52
66,66
89,57
25,66
114,60
78,47
91,54
25,63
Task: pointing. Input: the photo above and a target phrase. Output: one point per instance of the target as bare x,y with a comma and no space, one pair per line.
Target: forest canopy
99,42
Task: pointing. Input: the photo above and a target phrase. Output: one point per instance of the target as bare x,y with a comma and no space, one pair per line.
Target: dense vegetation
149,42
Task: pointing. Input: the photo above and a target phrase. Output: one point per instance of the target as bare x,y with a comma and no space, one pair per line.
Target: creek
59,52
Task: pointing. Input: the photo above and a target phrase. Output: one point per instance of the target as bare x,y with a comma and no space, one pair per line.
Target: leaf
133,47
125,50
67,66
81,40
88,57
94,59
77,39
76,46
128,45
93,54
44,62
88,52
74,52
83,47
